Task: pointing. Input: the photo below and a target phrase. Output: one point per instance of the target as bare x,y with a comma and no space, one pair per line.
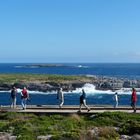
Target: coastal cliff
44,82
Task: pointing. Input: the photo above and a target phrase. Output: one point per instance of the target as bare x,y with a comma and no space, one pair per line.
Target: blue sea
94,97
128,70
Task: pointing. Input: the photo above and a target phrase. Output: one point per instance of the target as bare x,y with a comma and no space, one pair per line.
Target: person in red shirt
133,99
24,97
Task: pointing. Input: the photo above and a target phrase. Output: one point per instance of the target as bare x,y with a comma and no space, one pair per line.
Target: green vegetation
100,126
12,78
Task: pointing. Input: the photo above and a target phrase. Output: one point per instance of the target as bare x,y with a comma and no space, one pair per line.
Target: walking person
24,98
115,98
83,101
13,97
60,97
133,99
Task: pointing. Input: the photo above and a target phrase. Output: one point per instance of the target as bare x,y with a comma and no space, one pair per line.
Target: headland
49,82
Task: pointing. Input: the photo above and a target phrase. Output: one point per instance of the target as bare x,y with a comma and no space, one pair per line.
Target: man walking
13,97
133,99
83,101
24,97
60,97
116,100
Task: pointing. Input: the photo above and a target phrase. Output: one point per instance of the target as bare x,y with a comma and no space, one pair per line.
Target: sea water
94,97
127,70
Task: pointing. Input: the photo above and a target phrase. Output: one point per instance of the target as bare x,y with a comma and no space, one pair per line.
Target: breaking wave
82,66
90,89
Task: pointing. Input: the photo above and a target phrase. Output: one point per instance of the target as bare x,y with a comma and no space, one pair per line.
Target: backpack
13,93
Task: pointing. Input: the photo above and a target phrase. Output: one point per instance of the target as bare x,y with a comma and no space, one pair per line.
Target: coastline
51,82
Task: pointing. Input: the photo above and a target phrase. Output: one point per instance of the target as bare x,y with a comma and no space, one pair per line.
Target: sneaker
88,110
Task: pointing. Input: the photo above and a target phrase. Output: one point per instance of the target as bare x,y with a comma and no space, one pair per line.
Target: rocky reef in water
100,82
44,65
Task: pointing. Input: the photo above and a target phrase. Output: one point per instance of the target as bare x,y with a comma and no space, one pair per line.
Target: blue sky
69,31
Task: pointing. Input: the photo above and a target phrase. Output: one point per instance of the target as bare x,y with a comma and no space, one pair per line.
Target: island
43,65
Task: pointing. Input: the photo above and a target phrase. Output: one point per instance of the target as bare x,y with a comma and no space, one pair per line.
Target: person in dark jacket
83,101
133,99
13,97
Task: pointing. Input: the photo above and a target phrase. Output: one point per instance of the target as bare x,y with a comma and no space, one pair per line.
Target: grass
12,78
71,127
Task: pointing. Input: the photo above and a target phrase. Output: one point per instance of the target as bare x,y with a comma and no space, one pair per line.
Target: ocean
127,70
94,97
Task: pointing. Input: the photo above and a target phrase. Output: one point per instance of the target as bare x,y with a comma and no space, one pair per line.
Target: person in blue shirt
83,101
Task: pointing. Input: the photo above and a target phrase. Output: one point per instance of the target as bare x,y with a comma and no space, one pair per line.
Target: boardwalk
52,109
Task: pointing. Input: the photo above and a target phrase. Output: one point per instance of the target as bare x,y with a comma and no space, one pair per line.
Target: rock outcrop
101,83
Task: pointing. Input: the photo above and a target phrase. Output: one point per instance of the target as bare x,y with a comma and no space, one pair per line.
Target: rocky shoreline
100,82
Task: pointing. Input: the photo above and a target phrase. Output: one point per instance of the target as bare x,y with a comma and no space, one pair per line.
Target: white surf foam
29,91
90,89
82,66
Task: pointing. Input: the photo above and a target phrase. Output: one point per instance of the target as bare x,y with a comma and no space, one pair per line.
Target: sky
68,31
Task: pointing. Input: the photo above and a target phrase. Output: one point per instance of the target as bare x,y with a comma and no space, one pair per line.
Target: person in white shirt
116,100
60,96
